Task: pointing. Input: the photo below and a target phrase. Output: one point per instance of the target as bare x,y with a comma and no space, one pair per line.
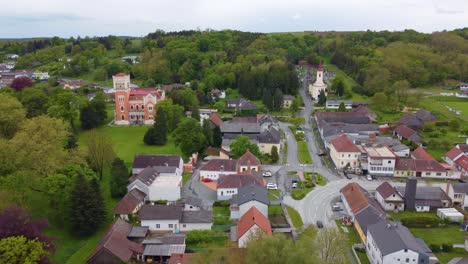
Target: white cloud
26,18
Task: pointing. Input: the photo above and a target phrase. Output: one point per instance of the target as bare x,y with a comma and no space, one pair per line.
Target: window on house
142,107
438,174
184,225
150,108
158,226
406,250
121,108
349,155
171,225
131,107
123,117
389,161
407,260
342,155
428,173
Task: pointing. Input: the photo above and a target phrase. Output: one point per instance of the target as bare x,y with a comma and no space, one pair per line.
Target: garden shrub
221,203
421,221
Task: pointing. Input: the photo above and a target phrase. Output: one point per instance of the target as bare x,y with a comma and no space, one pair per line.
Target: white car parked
272,186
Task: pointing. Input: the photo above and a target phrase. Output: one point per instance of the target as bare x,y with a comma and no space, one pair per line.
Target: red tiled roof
215,119
463,147
250,218
220,164
116,243
344,144
356,197
463,162
405,131
144,91
238,181
429,165
249,159
403,164
421,154
385,189
454,153
129,202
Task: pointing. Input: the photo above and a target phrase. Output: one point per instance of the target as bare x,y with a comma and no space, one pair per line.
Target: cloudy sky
33,18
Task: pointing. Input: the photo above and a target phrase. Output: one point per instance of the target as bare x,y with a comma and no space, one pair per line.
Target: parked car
319,224
374,177
267,173
336,208
272,186
369,178
321,154
207,180
294,183
347,175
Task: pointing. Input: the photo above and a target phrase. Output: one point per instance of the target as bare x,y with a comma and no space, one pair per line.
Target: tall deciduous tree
12,114
119,178
338,86
241,144
94,114
217,137
274,154
208,132
331,247
21,82
35,102
100,152
65,104
19,249
189,136
160,127
174,113
87,215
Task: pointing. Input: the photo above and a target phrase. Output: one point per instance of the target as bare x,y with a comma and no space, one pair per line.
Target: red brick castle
134,106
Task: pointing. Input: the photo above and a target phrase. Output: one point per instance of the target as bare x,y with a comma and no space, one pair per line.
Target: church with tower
134,105
318,85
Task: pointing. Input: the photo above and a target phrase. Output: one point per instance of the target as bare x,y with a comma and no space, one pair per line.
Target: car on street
369,178
347,175
272,186
267,173
336,208
319,224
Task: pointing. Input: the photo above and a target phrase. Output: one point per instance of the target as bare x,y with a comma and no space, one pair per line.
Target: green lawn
406,214
440,235
295,217
444,258
303,153
310,231
273,195
221,215
299,194
275,210
185,177
320,180
128,141
353,238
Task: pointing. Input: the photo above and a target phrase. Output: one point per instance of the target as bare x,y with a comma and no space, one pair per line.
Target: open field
295,217
303,153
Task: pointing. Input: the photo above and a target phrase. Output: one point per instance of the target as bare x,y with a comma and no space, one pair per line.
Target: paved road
193,187
317,204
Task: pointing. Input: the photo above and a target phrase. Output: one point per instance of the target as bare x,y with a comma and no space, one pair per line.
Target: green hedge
204,236
421,221
221,203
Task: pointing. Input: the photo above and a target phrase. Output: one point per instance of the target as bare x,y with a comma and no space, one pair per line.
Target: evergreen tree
267,99
322,99
119,178
217,137
150,136
160,128
208,132
342,107
274,154
98,208
195,112
94,114
277,99
87,212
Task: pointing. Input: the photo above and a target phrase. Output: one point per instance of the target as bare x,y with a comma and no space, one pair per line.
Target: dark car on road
319,224
347,175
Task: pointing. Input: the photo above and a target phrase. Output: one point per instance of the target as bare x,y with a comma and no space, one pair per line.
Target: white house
140,162
174,218
129,204
392,243
380,160
389,198
216,167
335,104
253,223
248,197
228,185
458,192
158,183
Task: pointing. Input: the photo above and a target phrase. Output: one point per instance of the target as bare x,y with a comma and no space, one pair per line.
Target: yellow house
287,101
344,153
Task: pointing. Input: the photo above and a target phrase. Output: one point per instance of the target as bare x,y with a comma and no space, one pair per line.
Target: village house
390,242
142,161
240,104
248,197
402,132
158,183
364,110
134,105
458,192
335,104
458,158
72,84
389,198
372,139
214,168
163,249
217,94
228,185
287,101
344,153
252,224
380,160
423,199
129,204
174,218
318,86
116,247
417,120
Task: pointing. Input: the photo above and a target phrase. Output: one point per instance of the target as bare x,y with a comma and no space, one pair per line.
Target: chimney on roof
166,164
410,194
222,167
372,137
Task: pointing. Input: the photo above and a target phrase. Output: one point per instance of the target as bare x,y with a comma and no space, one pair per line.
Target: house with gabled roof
404,132
458,158
142,161
253,223
247,197
216,167
344,152
458,192
116,247
129,204
389,198
249,163
228,185
421,154
355,199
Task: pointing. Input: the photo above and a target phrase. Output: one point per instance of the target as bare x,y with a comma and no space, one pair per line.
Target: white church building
319,85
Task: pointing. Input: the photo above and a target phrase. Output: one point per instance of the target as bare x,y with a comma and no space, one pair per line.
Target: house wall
195,226
287,103
346,205
247,236
375,257
421,208
404,173
402,153
163,225
165,188
234,212
139,185
384,168
214,175
226,193
390,202
252,168
189,207
263,208
360,232
433,174
342,158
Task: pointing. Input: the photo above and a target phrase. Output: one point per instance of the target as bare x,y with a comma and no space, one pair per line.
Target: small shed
450,213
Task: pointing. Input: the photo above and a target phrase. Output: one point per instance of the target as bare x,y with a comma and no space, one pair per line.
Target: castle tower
122,97
319,85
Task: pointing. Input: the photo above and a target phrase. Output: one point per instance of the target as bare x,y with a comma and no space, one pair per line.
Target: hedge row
421,221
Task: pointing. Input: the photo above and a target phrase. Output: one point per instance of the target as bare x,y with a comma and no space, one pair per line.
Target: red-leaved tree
21,82
15,221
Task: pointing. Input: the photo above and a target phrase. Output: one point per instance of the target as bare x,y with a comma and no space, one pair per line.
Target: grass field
275,210
128,141
351,239
185,177
303,153
221,215
299,194
273,195
295,217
